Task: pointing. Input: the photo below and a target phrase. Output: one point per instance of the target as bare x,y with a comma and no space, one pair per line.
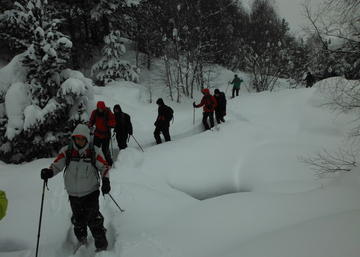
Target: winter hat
160,101
216,91
101,105
117,107
205,91
81,130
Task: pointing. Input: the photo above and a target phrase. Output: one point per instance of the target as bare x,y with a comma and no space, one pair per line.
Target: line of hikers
87,162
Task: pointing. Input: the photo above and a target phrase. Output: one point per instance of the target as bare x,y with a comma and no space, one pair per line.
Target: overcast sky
292,11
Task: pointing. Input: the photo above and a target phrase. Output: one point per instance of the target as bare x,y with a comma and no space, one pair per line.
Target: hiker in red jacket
104,120
209,104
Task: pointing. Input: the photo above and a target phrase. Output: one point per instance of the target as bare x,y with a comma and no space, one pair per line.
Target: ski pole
137,143
194,116
116,203
41,212
112,149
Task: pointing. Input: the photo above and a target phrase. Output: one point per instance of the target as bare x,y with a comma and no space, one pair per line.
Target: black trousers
121,139
219,115
104,144
86,213
165,131
235,90
207,115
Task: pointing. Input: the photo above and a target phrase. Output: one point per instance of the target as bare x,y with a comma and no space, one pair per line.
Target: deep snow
237,191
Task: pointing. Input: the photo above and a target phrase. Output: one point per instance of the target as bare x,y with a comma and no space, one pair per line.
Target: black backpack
169,113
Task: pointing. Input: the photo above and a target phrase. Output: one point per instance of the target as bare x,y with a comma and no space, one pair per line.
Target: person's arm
130,126
101,164
56,167
103,168
215,101
202,103
60,161
111,119
91,120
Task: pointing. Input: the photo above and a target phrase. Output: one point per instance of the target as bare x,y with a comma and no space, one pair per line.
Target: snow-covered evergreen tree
111,67
42,110
17,24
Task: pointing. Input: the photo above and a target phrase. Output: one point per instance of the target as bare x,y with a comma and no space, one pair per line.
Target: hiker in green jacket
3,204
236,85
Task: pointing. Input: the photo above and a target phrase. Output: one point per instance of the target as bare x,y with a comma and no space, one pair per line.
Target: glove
46,173
194,105
105,188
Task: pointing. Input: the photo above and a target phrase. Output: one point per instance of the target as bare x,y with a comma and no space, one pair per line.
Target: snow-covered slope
236,191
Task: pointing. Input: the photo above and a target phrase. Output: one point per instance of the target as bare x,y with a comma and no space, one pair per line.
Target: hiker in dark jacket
103,120
236,82
209,104
310,80
84,167
162,123
220,110
123,128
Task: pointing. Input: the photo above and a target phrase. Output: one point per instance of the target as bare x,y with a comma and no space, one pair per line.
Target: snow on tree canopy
39,32
69,73
34,114
64,41
132,2
12,72
73,86
16,100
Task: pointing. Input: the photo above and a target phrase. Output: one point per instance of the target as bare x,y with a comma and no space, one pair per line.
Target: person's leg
211,116
157,135
218,116
121,139
233,92
222,115
166,133
96,220
237,91
78,218
106,151
204,120
97,141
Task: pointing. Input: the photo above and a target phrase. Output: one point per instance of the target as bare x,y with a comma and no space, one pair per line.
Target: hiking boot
83,241
101,249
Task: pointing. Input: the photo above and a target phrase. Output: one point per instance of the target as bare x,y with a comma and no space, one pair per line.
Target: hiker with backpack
162,123
220,110
236,82
209,104
310,80
123,128
3,204
103,120
84,166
